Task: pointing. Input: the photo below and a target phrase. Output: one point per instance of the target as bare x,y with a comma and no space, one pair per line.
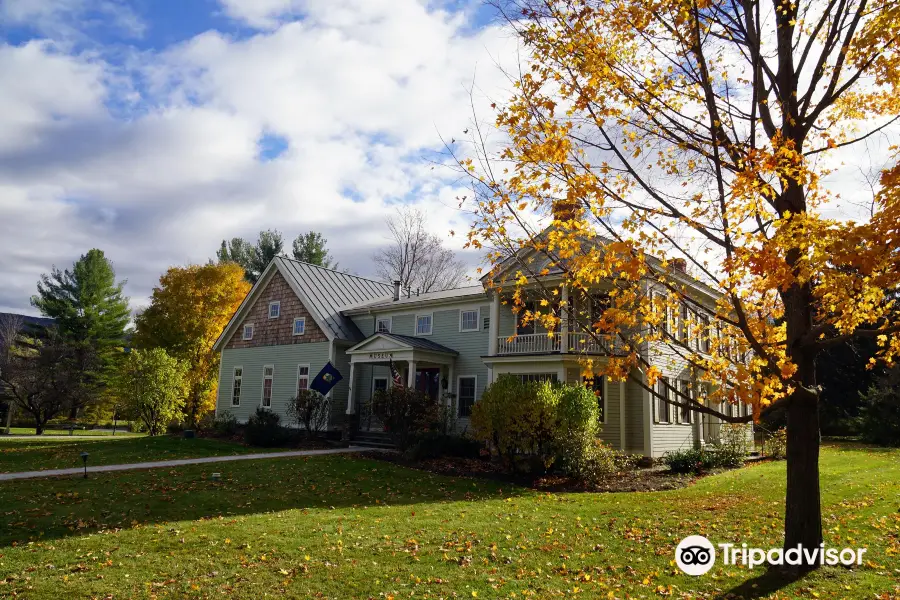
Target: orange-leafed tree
189,309
712,135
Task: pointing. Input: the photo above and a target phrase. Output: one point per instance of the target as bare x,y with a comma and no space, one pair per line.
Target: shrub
309,410
776,445
692,460
880,414
732,447
405,413
518,419
596,460
225,424
152,384
264,429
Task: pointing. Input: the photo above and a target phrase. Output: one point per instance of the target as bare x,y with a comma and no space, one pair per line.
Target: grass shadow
769,582
58,507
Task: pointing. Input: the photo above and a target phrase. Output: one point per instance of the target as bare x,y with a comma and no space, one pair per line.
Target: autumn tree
416,257
705,138
188,310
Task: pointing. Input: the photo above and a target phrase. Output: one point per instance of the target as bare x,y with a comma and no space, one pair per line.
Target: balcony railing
529,343
541,343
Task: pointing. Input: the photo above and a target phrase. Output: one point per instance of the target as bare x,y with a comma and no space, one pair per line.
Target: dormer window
248,332
274,309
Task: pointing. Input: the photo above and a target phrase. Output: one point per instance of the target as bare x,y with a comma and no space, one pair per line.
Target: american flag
395,374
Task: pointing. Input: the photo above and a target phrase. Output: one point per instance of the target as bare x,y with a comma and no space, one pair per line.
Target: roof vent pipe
396,290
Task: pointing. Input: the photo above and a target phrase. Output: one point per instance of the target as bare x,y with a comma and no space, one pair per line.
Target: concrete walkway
175,463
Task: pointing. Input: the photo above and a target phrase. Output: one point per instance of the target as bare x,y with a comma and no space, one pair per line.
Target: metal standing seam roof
326,292
417,342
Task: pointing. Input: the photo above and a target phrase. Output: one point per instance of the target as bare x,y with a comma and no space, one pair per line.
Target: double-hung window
302,378
383,325
467,384
685,412
468,320
268,380
299,326
236,386
423,324
662,407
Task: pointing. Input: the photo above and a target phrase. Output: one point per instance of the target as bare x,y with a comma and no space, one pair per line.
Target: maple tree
702,137
188,310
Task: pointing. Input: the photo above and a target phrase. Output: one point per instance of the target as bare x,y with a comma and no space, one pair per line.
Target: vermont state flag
326,379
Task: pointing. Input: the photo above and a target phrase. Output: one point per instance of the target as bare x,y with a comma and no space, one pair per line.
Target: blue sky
153,129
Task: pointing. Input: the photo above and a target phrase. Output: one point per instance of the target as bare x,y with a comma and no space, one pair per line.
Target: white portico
428,366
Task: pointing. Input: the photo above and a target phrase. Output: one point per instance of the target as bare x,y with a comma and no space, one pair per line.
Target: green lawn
345,527
82,432
40,453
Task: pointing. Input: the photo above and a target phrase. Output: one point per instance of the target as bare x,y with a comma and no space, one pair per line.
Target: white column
494,327
451,382
564,325
698,424
411,376
351,404
648,419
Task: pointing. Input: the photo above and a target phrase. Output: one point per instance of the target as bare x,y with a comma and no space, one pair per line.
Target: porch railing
541,343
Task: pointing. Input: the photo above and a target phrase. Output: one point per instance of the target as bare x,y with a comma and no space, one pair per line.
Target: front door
428,381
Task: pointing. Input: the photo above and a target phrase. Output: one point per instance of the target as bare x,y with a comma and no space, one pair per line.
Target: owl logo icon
695,555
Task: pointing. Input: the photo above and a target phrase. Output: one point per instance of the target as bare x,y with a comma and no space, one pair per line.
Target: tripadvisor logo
696,555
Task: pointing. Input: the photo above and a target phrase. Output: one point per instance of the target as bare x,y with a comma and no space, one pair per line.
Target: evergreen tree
254,259
310,248
86,303
90,314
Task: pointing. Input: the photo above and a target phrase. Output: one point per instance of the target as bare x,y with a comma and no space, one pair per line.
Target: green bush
519,421
225,424
732,447
264,429
536,426
405,414
880,411
691,460
776,445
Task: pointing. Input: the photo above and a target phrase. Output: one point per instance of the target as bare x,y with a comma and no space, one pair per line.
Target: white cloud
359,90
66,19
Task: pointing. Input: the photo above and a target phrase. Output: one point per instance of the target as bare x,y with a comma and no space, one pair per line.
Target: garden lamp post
84,457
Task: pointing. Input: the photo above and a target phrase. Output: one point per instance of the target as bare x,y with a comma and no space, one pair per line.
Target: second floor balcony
557,343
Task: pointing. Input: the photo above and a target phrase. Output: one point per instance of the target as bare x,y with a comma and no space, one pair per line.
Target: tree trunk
803,509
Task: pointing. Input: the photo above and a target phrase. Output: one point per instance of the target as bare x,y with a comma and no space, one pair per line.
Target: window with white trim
248,331
466,394
684,412
379,384
468,320
274,309
423,324
268,381
237,377
302,378
662,407
383,325
299,325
